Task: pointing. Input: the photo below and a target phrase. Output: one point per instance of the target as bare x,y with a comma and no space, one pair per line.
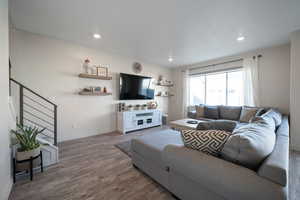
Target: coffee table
182,124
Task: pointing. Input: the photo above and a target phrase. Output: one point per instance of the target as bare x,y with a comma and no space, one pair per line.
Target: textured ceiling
152,30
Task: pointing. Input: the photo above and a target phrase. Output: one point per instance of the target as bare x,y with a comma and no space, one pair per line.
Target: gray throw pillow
211,112
249,145
230,112
223,125
199,111
248,113
209,142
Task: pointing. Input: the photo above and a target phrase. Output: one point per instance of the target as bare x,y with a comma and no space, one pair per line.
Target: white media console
138,119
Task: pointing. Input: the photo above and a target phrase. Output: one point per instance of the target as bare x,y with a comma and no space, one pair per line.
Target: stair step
50,152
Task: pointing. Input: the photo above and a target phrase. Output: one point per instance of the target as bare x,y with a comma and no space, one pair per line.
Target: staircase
34,110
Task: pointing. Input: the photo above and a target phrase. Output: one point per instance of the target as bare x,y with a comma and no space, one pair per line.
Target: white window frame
205,74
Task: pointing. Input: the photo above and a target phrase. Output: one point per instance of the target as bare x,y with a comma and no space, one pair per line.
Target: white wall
51,67
295,90
274,75
5,159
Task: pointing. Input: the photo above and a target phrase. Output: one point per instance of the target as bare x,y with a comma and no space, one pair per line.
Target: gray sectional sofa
230,113
193,175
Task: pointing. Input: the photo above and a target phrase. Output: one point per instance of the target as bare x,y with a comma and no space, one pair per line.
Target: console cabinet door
128,120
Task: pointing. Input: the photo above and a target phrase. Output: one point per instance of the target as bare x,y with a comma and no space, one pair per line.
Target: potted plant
26,138
144,106
129,107
137,107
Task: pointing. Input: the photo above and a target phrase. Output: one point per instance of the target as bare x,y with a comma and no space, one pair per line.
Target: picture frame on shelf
102,71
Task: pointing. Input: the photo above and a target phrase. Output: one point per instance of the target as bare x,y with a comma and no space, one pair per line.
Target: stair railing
38,111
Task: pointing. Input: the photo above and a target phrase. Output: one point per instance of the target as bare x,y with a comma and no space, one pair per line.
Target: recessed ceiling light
170,59
240,38
97,36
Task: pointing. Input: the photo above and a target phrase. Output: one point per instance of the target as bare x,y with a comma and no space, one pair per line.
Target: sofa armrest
219,176
276,166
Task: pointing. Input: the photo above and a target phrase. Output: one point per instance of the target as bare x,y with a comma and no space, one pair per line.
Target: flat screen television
133,87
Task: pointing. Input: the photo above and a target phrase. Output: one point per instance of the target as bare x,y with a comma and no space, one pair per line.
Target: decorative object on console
144,106
129,107
137,67
137,107
152,105
121,107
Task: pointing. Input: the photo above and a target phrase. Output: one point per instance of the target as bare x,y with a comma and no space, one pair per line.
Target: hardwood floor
93,169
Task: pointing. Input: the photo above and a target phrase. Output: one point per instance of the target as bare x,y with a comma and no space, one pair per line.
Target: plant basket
24,155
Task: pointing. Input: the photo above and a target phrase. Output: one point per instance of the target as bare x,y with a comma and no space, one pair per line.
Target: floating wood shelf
171,95
94,93
165,85
95,76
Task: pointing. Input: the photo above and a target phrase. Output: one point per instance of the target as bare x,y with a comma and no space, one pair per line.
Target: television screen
134,87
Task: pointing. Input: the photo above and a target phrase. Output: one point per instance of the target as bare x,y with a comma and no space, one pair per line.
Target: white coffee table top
182,124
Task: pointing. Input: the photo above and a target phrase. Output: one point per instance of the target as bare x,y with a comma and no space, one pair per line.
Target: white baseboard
295,147
6,189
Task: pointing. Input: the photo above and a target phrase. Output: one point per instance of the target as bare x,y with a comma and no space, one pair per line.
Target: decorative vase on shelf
86,66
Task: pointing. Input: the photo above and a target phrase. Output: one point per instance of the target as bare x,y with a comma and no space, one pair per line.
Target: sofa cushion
223,125
248,113
151,145
225,179
210,141
249,145
211,112
230,112
275,115
199,111
276,166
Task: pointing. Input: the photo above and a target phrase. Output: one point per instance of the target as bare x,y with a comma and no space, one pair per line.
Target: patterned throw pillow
209,141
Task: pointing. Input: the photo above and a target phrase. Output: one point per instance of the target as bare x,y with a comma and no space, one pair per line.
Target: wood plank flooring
93,169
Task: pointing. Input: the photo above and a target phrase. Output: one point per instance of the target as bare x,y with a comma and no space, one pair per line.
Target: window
224,88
